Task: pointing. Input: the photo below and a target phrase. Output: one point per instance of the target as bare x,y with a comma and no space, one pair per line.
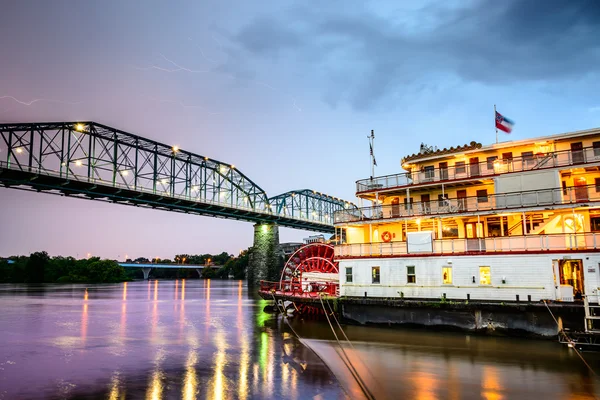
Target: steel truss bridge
94,161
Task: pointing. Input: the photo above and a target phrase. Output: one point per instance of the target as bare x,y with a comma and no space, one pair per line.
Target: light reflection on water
182,339
210,339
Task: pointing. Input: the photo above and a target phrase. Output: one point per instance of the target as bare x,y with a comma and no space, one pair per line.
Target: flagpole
495,124
372,153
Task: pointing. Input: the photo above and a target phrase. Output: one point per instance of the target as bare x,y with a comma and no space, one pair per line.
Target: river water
210,339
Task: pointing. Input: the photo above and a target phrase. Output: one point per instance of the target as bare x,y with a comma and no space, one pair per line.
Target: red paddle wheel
308,273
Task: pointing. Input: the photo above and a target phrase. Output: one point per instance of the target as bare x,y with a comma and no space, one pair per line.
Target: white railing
481,169
499,201
554,242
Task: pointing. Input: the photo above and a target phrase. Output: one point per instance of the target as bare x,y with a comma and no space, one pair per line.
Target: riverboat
509,223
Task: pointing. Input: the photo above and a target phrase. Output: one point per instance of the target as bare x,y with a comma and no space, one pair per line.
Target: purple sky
286,91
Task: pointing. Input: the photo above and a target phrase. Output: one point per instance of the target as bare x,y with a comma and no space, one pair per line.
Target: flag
374,161
503,123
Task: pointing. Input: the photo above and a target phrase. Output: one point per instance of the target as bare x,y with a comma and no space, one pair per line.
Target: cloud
362,56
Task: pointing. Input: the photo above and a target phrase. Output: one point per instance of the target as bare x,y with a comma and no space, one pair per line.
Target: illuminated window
348,274
411,277
485,276
447,275
597,184
460,167
375,274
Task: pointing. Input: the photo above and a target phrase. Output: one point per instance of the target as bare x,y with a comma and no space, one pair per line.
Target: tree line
39,267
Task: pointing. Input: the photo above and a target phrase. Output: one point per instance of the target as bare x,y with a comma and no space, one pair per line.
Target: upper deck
477,162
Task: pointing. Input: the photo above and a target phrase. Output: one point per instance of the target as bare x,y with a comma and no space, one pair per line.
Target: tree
35,267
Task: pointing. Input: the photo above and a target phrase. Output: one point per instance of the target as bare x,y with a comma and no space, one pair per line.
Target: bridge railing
87,179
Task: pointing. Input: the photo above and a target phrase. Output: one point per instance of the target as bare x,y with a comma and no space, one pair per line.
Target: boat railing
502,244
483,202
312,288
491,166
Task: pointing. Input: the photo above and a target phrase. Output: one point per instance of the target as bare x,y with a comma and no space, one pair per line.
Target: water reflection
190,382
219,365
490,385
84,318
157,346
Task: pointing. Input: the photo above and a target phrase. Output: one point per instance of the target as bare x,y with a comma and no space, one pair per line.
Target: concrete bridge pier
146,272
264,262
199,271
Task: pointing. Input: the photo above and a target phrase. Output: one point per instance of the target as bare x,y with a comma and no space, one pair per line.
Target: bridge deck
173,266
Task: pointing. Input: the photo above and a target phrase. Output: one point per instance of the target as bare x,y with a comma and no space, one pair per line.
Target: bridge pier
264,262
146,272
199,271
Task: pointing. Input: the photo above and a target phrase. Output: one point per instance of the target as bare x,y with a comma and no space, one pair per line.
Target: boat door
581,190
474,235
577,153
443,171
395,207
425,204
571,277
474,166
461,195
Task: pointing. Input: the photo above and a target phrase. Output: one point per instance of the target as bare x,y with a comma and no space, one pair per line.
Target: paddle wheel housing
310,272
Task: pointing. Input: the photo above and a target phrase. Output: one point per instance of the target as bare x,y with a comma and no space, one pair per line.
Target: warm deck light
195,188
125,173
175,149
164,181
79,127
19,150
232,166
78,163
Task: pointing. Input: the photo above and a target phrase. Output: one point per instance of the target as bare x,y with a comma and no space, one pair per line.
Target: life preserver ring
386,237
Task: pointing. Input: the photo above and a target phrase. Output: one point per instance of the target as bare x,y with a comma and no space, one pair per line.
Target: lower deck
563,277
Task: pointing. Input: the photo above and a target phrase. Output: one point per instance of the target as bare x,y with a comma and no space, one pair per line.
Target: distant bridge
94,161
147,267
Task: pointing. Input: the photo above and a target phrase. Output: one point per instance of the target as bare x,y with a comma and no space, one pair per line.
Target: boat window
485,276
459,167
482,196
595,223
429,172
597,184
348,274
527,157
410,274
447,275
596,146
375,274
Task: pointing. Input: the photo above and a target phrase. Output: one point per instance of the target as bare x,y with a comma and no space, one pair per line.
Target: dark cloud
363,57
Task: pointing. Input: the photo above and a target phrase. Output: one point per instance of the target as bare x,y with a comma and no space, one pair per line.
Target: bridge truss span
90,160
308,203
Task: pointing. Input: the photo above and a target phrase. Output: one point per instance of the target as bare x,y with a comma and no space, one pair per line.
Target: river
191,339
